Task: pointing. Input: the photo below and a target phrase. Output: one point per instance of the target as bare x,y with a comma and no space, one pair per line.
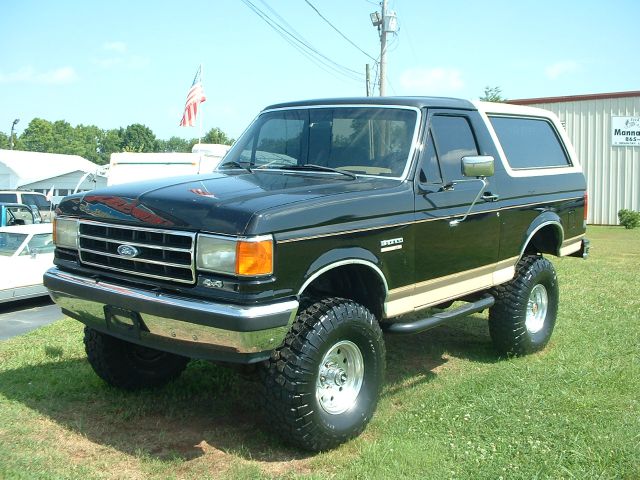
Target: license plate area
124,322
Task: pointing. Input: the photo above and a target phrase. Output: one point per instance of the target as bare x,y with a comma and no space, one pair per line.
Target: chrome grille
161,254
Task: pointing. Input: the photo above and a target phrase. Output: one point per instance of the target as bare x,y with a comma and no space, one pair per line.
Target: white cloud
118,47
432,81
58,76
109,62
561,68
115,54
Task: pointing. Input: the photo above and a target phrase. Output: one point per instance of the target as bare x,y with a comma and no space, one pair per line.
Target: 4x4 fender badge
391,244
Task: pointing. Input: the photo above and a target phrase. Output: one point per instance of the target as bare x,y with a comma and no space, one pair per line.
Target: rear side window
8,198
529,142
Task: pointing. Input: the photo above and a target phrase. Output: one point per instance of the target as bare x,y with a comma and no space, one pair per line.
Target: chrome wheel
537,307
340,377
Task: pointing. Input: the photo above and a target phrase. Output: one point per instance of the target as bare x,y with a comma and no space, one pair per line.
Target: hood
219,202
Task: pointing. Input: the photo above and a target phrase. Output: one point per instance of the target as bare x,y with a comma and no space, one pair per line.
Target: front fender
343,256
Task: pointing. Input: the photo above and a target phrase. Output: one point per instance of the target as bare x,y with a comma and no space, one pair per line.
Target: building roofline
574,98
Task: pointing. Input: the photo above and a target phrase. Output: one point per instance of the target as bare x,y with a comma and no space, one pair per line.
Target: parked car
26,252
18,214
33,199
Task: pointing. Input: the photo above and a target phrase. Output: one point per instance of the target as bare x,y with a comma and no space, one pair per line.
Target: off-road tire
129,366
511,333
291,377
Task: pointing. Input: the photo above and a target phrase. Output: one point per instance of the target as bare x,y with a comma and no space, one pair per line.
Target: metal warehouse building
605,131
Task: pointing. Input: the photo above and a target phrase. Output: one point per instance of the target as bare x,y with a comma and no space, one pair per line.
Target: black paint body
318,219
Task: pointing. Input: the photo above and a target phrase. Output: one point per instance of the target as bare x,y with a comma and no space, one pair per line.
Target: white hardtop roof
31,167
507,109
27,229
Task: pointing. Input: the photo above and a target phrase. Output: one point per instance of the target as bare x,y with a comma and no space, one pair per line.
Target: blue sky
120,62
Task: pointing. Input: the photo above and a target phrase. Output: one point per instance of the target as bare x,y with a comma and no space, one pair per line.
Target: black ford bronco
325,223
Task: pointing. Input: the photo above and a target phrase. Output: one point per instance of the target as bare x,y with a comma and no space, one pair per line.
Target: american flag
194,98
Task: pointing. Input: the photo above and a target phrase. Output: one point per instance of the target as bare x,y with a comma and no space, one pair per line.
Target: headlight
216,254
65,232
247,256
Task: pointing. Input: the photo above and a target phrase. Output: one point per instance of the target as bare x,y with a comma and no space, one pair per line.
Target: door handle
489,197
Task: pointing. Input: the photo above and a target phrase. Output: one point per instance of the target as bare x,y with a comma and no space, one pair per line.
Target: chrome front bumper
191,327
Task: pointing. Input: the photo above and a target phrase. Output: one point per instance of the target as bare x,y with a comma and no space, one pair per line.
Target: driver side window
450,139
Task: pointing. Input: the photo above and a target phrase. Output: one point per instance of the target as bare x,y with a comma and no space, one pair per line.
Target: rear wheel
321,386
129,366
523,317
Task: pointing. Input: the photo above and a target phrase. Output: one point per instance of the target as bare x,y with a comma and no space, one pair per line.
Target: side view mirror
478,166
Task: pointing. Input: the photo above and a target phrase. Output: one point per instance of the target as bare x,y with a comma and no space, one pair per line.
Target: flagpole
200,126
201,109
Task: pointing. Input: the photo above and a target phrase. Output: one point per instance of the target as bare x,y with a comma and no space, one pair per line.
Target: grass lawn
450,408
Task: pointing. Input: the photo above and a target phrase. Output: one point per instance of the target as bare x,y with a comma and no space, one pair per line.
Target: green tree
139,138
86,142
215,135
492,94
110,142
4,140
97,145
63,138
175,144
38,136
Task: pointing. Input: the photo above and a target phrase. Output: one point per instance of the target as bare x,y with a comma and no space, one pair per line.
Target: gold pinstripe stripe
394,225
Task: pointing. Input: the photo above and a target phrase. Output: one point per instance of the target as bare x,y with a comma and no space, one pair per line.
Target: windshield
10,242
40,243
362,140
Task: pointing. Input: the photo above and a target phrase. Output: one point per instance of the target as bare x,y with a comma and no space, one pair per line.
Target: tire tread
289,370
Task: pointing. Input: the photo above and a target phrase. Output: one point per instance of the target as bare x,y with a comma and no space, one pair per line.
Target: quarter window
529,142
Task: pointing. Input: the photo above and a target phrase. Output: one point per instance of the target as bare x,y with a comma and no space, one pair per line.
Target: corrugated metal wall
613,173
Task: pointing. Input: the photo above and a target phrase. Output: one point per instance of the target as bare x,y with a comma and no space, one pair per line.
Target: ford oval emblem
128,251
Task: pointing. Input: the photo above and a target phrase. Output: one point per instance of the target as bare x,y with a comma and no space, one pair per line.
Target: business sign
625,131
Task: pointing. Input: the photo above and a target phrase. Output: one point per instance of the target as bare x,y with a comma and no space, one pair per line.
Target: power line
336,29
299,38
302,45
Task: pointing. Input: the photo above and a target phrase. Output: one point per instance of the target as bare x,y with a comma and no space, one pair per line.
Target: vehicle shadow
17,305
209,409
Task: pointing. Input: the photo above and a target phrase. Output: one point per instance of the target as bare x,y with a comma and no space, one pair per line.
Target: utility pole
368,80
13,126
383,50
387,22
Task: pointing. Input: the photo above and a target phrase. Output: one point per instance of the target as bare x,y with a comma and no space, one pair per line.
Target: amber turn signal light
254,258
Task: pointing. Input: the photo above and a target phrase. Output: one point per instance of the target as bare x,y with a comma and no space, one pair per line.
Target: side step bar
418,326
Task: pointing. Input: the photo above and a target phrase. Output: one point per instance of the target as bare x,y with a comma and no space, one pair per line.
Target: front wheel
321,386
523,317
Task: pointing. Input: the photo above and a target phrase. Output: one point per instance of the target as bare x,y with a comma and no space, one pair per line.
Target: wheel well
545,240
357,282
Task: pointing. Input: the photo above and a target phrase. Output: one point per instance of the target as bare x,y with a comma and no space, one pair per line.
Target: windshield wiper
318,168
233,163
